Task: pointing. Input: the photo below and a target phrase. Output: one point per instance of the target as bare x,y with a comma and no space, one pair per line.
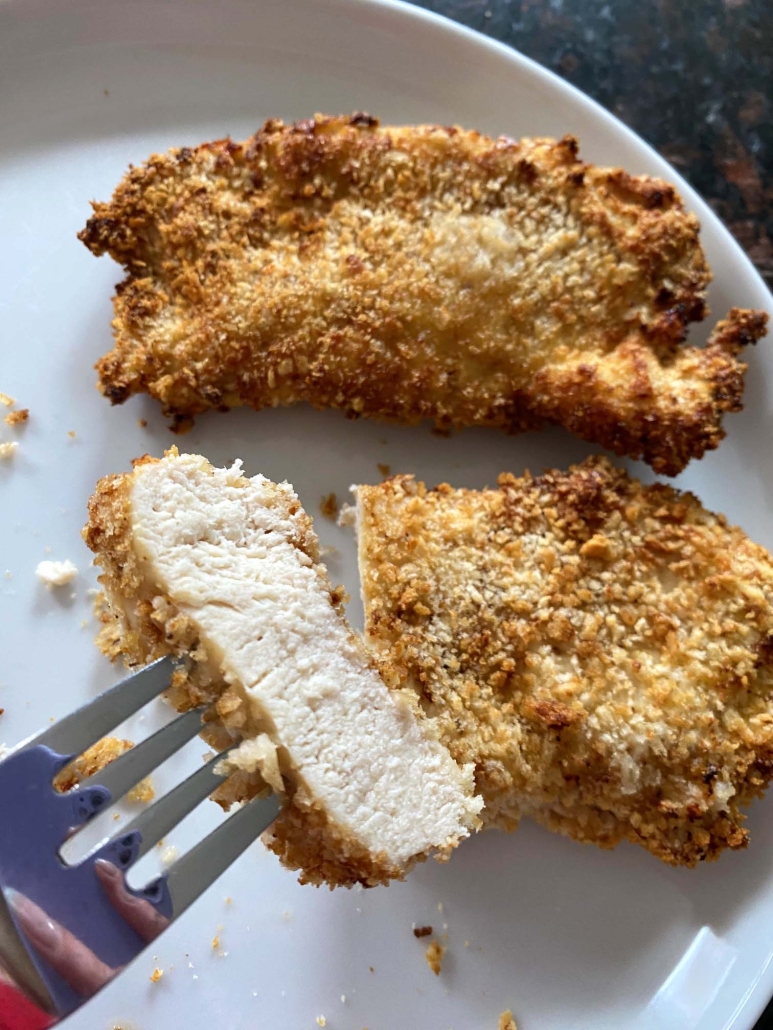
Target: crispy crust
140,624
418,272
601,650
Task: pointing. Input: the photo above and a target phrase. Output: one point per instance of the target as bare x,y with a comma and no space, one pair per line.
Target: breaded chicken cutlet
412,272
601,650
224,572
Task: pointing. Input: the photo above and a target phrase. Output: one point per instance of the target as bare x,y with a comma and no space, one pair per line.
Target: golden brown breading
602,650
418,272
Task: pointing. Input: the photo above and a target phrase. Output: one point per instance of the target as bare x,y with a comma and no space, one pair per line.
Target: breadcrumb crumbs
422,931
169,855
329,506
435,953
321,1021
215,942
142,422
506,1021
56,573
17,418
385,470
8,449
6,400
143,792
71,433
156,975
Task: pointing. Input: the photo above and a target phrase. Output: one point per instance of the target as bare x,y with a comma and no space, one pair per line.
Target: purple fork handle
35,821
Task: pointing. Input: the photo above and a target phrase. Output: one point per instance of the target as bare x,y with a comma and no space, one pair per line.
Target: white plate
567,936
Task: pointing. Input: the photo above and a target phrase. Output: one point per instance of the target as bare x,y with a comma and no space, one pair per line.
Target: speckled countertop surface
693,77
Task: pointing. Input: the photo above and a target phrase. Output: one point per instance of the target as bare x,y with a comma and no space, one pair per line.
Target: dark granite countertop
693,77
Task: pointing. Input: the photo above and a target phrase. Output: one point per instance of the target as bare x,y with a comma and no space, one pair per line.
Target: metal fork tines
65,930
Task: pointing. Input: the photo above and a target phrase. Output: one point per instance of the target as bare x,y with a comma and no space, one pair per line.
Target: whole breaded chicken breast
413,272
601,650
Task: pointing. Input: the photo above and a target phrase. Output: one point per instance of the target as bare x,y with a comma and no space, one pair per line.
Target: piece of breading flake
434,956
8,449
506,1021
7,401
56,573
601,650
418,271
328,507
17,418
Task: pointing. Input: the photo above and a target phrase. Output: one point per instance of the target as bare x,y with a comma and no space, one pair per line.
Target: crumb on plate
143,792
435,953
16,418
385,470
215,942
156,975
6,400
321,1021
506,1021
422,931
56,573
169,855
8,449
71,433
329,506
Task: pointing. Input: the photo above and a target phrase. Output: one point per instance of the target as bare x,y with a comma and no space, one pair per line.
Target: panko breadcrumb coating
412,272
601,650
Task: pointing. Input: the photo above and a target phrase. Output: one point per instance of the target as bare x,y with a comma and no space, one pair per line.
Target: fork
66,930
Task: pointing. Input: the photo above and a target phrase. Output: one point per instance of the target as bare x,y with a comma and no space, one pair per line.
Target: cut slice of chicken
225,571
